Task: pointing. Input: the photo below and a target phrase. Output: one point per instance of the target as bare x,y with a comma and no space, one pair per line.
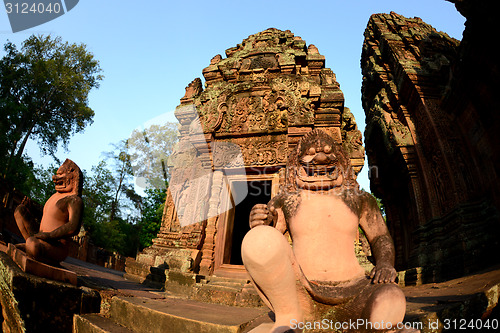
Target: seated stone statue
61,219
322,207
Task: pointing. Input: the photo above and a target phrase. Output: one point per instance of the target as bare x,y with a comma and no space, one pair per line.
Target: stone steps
213,289
145,315
222,283
95,323
143,273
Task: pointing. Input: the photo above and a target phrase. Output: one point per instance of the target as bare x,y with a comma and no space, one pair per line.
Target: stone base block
40,269
29,303
216,290
180,315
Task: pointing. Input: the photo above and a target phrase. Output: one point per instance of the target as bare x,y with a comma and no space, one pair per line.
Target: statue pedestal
37,268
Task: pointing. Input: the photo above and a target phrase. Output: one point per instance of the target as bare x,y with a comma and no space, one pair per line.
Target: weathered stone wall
428,146
32,304
472,95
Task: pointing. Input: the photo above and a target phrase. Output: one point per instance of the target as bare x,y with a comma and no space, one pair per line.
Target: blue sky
150,50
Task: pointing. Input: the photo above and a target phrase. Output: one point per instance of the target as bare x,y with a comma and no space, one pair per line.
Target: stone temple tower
433,134
236,133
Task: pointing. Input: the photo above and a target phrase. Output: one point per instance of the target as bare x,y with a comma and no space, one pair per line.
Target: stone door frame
227,219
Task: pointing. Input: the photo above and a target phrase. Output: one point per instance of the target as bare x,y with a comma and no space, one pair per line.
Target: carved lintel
251,151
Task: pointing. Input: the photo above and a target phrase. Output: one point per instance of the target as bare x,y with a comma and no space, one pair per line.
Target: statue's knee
388,303
261,245
392,291
33,247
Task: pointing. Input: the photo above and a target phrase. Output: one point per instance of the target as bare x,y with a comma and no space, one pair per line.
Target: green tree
151,216
149,151
111,204
97,196
122,179
44,91
39,184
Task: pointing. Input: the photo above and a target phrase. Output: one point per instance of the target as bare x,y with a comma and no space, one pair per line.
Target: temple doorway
258,192
246,192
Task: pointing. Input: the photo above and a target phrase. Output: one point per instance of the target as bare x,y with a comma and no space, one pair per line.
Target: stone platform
145,315
40,269
128,306
471,297
428,306
29,303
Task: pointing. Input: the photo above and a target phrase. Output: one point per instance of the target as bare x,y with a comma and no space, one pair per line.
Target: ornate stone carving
419,140
255,151
192,90
268,92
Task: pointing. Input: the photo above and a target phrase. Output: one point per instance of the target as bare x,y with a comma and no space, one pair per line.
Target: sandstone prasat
236,134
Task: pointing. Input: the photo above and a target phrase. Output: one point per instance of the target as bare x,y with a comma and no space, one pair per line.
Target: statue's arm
72,227
375,229
27,217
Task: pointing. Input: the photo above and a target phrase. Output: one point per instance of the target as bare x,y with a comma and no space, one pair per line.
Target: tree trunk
114,204
23,144
14,155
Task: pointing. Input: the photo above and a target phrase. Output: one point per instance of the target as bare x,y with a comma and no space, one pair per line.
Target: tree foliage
116,217
149,152
44,88
97,195
109,213
152,212
122,177
39,184
44,91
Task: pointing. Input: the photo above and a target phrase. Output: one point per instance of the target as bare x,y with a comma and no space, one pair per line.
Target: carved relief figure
61,219
193,89
322,208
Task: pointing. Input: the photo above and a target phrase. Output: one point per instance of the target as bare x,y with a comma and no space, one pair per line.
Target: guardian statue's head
319,164
69,178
